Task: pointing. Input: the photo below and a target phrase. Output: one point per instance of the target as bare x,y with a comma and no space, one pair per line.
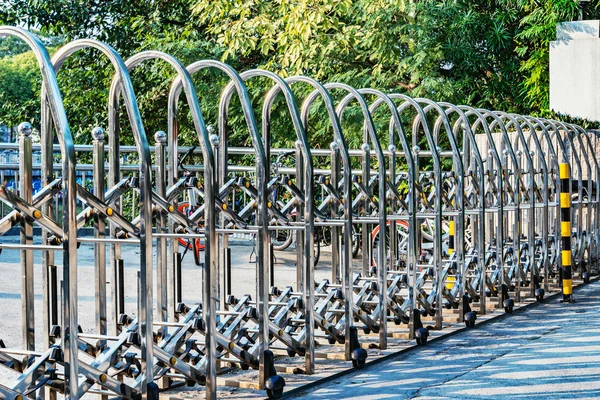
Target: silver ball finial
210,129
334,146
416,149
98,133
214,139
298,144
392,148
366,147
25,128
160,137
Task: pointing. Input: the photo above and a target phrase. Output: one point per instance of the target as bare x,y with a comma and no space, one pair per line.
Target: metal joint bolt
160,137
25,128
98,133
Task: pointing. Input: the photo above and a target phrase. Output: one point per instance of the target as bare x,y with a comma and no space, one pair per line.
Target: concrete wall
574,70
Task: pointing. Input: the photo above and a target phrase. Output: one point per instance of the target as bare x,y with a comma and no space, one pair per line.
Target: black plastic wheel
508,310
358,364
291,353
274,393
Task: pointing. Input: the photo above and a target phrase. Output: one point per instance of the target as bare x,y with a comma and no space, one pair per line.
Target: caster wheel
331,340
244,367
366,331
421,336
508,310
539,295
274,393
291,353
586,277
358,364
470,324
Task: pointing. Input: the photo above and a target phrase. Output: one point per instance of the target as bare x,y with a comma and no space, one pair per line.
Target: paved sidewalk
548,351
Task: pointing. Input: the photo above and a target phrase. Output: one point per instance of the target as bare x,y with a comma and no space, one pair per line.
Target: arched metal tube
420,121
396,130
145,234
52,101
395,126
209,286
215,178
527,122
321,92
463,122
370,134
459,199
307,165
481,120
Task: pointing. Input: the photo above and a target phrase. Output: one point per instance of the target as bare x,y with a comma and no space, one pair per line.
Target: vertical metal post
366,242
531,226
100,229
335,231
300,234
114,175
517,228
161,226
27,278
49,273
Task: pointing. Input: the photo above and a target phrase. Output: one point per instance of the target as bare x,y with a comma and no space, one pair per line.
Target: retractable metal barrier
451,213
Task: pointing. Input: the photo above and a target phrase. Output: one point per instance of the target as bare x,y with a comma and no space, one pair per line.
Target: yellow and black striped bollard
565,232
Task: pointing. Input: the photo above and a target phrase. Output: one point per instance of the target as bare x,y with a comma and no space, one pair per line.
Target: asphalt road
551,351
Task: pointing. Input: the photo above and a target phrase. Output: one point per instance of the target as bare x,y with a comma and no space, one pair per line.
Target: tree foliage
489,53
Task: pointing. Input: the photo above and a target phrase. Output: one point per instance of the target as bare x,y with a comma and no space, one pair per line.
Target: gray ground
549,351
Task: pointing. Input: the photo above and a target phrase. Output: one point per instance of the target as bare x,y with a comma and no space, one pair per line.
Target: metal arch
145,182
546,200
235,84
512,121
209,289
370,133
420,120
481,230
320,91
532,205
480,120
458,164
508,151
52,99
309,229
396,126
